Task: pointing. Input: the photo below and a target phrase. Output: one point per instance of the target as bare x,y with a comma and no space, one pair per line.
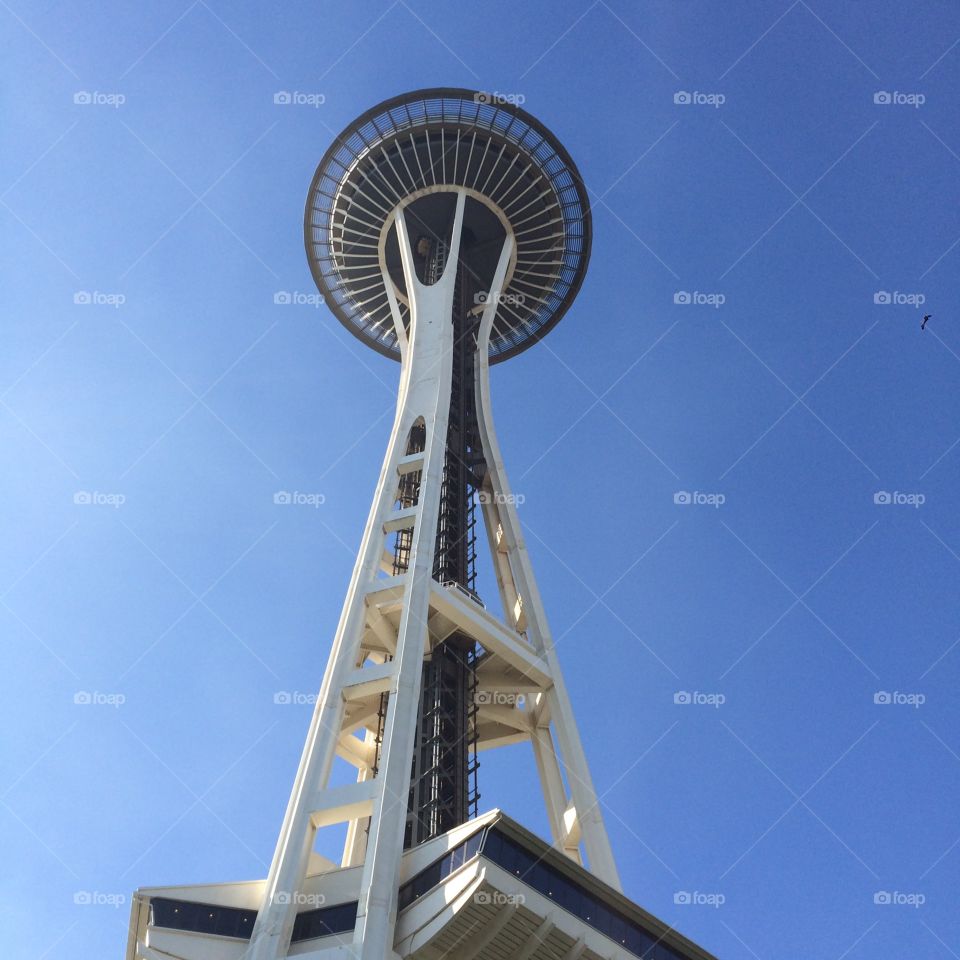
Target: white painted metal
396,615
519,592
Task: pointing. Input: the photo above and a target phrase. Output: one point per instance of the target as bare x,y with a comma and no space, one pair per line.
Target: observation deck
409,153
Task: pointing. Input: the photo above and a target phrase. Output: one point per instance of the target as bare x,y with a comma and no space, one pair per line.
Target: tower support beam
516,580
423,397
429,358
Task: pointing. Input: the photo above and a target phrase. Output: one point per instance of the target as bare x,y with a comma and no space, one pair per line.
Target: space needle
448,230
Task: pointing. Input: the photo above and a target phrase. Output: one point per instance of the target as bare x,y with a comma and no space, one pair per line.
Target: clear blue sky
797,399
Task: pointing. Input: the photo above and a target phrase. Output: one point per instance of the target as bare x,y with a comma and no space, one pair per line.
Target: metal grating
455,138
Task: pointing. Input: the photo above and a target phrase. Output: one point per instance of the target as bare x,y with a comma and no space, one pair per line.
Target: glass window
187,916
493,846
191,915
663,952
637,941
569,896
164,913
473,845
538,876
226,922
510,858
618,929
325,921
603,920
339,918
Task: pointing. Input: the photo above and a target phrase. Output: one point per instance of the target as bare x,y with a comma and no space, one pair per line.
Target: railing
466,591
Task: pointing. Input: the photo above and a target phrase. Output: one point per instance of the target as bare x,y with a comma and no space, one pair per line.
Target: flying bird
925,319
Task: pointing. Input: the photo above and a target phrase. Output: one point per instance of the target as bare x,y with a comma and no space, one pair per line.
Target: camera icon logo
881,897
682,497
82,497
681,897
282,97
82,97
82,898
882,97
881,297
881,696
482,98
681,697
282,297
82,697
82,297
681,96
681,296
282,497
882,497
282,697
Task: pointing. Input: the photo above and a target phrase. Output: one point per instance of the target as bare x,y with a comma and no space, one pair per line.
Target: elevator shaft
443,791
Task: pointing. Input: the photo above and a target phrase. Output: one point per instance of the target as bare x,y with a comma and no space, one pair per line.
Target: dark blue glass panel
473,845
638,942
202,918
493,846
325,921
